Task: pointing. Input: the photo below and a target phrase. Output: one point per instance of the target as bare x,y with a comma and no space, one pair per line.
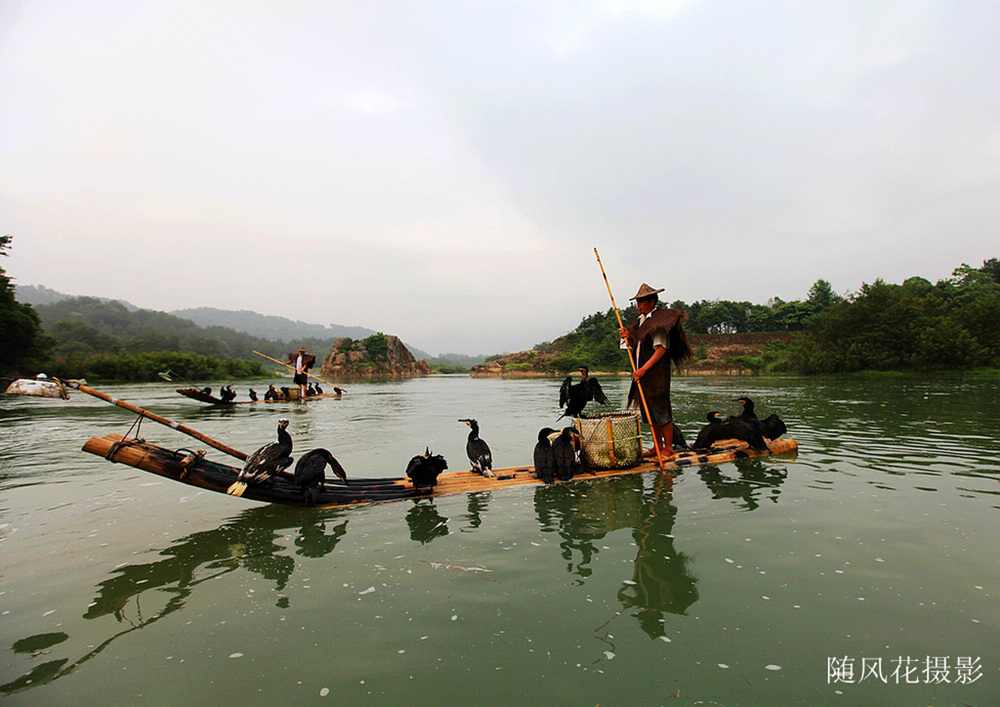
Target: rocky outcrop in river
378,356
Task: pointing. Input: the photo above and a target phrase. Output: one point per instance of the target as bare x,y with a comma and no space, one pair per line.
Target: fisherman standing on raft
657,337
302,363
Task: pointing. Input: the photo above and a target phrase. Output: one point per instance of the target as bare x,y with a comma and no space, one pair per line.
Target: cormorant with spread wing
309,476
575,396
423,469
771,426
478,451
267,461
544,457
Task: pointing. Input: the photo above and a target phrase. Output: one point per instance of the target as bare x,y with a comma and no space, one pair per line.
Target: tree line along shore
915,326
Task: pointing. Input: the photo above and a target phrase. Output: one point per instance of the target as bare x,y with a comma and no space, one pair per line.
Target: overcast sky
443,171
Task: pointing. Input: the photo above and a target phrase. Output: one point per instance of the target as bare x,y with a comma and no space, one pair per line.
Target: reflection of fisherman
657,337
302,362
661,580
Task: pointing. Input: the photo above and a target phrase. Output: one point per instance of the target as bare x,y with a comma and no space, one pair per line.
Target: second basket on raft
610,440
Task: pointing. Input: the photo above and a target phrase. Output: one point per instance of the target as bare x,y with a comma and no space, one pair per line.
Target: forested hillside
916,326
948,325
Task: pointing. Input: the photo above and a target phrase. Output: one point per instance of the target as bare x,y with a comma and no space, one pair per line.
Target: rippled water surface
862,570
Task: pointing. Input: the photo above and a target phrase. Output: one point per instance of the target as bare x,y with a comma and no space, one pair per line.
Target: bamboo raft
194,469
202,396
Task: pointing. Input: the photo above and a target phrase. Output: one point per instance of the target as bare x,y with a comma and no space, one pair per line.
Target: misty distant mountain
40,294
262,326
268,326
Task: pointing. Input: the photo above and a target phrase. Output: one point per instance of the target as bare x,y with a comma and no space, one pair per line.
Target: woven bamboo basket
610,440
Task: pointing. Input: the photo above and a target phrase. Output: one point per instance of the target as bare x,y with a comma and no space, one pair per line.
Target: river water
862,570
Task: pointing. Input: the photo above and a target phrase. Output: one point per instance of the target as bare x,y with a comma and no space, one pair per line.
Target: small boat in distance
293,395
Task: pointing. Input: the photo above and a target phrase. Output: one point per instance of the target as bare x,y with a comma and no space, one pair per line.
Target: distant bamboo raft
194,469
209,398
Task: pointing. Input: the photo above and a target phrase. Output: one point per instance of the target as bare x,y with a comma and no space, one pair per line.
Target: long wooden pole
156,418
288,365
631,360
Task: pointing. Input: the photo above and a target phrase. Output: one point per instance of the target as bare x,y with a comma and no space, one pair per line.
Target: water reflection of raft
195,470
202,396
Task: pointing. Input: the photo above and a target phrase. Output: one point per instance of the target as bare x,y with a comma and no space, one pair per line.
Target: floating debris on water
444,566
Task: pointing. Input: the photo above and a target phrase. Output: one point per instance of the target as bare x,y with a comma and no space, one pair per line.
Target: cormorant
267,461
270,393
733,427
253,395
286,393
716,430
564,450
575,396
748,413
310,390
771,426
423,469
478,451
319,391
545,459
746,426
309,476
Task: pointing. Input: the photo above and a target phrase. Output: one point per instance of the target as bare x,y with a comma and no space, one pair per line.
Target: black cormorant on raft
771,426
424,469
575,396
478,451
745,427
273,458
715,431
544,457
309,472
733,427
564,449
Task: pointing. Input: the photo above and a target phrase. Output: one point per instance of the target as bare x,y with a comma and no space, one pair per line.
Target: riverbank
714,355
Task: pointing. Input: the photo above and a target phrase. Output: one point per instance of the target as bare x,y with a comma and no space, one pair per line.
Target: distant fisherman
302,362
